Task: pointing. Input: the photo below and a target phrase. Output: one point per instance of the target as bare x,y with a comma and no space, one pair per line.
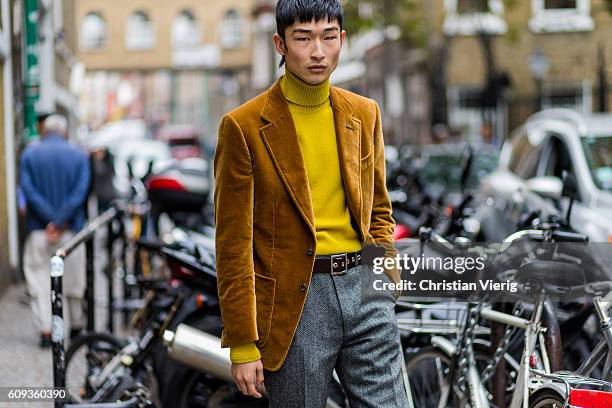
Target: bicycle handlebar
568,236
427,234
593,288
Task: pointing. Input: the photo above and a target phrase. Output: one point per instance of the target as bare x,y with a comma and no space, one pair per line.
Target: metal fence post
110,240
57,324
89,291
126,291
56,272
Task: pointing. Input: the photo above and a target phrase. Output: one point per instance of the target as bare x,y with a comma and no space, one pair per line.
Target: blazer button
304,287
310,252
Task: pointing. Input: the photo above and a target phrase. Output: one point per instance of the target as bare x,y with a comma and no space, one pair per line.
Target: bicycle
454,366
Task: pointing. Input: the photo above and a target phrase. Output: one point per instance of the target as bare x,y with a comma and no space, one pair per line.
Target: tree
363,15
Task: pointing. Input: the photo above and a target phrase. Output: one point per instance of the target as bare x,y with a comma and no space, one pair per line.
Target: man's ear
279,44
342,37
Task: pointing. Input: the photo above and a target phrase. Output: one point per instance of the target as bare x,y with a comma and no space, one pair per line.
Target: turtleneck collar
301,93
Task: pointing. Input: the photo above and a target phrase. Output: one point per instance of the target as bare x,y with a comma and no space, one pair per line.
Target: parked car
433,185
531,166
184,141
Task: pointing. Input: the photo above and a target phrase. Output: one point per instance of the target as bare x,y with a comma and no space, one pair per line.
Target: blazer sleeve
382,224
233,201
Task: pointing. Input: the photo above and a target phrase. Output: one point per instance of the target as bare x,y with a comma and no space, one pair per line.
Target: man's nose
318,53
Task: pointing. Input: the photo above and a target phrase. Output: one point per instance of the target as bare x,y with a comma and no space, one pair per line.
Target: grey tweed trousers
347,327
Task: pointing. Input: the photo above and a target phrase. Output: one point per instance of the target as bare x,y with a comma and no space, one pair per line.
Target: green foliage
510,4
513,37
514,30
363,15
354,20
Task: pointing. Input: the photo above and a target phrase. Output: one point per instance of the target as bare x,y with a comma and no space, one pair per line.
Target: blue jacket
55,180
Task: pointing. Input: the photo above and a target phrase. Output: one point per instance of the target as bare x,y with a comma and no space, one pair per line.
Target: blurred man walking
55,179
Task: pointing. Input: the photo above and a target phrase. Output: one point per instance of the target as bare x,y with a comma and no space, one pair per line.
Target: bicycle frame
533,335
520,397
604,347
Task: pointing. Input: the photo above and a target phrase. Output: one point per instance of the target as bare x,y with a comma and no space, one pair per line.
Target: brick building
180,62
555,52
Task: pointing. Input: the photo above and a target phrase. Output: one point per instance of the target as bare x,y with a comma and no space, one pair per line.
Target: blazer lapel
348,139
280,138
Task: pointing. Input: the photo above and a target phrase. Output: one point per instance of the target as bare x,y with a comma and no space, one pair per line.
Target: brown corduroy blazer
265,233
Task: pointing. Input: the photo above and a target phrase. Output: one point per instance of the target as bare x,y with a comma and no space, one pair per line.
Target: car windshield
598,152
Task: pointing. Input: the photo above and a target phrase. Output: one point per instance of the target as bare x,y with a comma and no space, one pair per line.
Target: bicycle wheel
546,399
86,357
428,373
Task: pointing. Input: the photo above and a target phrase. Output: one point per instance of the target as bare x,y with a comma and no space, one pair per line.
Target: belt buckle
339,260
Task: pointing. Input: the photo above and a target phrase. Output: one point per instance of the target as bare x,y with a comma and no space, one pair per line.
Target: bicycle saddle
553,273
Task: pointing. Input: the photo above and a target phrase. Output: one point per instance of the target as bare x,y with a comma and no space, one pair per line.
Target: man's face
312,50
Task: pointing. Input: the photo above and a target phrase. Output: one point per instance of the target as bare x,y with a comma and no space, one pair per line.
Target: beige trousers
36,257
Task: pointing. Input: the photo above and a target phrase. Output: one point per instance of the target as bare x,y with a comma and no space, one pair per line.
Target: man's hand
54,233
249,377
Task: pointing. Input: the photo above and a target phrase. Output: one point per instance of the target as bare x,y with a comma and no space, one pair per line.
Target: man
55,180
102,176
300,190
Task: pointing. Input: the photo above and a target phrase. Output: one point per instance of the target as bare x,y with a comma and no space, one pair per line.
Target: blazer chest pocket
265,288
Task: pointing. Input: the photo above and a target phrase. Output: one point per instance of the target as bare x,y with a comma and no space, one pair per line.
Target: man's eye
302,39
330,38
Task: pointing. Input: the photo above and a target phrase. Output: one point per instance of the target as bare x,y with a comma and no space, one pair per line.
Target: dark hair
304,11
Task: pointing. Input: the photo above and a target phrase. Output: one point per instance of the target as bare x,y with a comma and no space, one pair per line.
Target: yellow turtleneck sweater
313,116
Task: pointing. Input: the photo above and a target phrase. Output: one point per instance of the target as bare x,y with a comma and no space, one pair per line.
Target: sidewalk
22,362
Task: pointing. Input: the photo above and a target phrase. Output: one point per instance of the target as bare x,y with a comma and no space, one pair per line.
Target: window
553,16
575,95
559,4
231,30
472,6
470,17
186,31
139,33
524,157
558,158
93,32
598,153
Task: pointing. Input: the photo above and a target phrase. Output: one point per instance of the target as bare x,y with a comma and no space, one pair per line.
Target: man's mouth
317,68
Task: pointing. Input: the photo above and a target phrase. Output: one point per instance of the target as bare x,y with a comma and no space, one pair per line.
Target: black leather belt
337,264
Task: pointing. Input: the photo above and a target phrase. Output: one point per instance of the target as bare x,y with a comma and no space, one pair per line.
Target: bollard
57,324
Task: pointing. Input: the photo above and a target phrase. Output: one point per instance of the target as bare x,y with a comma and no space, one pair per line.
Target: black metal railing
85,236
